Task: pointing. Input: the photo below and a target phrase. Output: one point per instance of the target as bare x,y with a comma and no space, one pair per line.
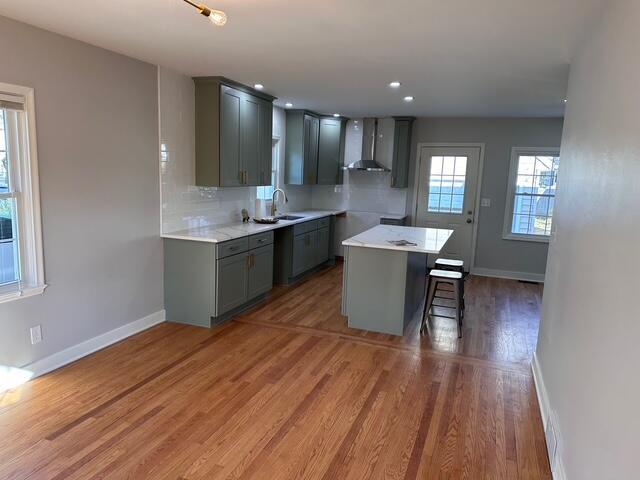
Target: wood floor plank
288,391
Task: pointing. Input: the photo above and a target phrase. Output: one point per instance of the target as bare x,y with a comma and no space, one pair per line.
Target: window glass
534,194
447,184
8,238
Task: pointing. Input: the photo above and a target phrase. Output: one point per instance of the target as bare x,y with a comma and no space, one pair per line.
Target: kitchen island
385,272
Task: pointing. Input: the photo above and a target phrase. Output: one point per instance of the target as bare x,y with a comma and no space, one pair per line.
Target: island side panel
416,283
189,281
375,290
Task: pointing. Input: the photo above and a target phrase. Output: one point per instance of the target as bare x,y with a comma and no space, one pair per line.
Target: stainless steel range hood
369,135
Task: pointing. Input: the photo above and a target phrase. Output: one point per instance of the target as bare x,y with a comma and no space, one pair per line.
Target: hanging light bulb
217,17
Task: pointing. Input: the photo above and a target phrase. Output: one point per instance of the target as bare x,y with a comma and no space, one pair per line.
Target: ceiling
456,57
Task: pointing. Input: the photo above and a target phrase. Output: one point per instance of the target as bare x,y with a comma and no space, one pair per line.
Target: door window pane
447,184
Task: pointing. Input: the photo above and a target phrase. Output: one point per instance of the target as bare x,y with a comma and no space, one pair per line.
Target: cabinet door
298,262
322,249
250,139
311,253
230,110
401,153
232,282
311,136
260,271
266,142
329,151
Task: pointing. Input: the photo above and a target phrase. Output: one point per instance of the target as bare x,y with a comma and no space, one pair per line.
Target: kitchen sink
289,217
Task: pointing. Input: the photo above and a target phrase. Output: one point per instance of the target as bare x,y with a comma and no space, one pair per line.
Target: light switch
485,202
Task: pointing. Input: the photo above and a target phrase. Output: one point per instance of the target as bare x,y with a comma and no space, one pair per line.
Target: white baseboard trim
557,469
71,354
508,274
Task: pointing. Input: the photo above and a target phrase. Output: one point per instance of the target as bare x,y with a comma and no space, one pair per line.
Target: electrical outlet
36,334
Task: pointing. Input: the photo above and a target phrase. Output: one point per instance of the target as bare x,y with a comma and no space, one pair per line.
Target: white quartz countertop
426,240
222,233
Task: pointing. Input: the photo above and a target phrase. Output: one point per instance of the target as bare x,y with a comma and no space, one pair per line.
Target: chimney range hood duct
369,135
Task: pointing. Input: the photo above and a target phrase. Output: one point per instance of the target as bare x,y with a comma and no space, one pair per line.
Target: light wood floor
287,391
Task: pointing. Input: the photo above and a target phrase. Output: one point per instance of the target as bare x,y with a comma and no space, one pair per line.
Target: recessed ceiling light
565,100
395,84
258,86
336,115
288,104
408,98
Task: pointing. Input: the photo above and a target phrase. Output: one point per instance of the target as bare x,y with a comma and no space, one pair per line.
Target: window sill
526,238
10,295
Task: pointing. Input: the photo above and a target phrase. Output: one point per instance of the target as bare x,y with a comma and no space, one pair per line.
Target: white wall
588,344
96,116
184,204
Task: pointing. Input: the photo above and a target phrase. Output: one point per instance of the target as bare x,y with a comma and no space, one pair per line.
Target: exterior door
447,186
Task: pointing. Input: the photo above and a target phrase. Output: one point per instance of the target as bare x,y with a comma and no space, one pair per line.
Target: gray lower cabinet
260,271
301,248
206,283
322,245
233,282
304,252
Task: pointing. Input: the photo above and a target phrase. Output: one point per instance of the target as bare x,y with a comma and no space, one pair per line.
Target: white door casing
447,189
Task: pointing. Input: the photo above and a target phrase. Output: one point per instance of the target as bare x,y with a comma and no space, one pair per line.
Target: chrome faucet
273,200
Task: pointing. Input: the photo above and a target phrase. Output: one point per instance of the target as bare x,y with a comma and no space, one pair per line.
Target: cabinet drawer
232,247
305,227
260,240
324,222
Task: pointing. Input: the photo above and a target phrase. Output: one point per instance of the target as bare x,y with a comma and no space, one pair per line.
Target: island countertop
426,240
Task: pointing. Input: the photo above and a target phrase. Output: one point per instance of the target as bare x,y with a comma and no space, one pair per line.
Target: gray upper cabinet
233,134
301,148
266,142
401,152
230,110
331,150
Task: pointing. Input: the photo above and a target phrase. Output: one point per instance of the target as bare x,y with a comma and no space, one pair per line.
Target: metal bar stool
454,279
454,266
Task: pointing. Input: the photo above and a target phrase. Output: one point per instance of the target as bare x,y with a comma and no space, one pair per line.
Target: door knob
469,220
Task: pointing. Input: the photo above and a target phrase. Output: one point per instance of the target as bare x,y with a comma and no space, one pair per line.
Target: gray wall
588,343
499,135
96,116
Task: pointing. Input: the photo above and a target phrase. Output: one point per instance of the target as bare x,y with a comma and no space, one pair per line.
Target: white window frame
276,168
27,199
516,153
